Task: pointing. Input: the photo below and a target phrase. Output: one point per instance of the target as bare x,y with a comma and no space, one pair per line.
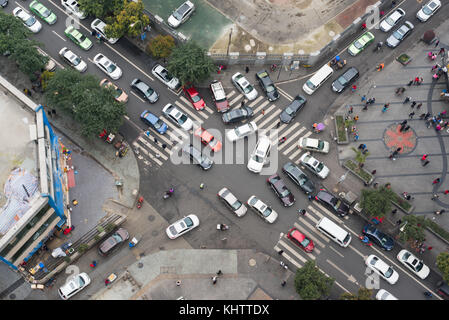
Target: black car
204,162
443,290
328,199
378,237
144,90
237,115
3,3
345,80
292,109
267,85
298,177
281,190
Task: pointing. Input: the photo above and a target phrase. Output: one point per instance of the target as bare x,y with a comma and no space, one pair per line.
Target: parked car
443,290
28,20
260,154
385,295
267,85
264,211
177,117
51,64
312,144
208,139
231,201
382,269
73,60
162,74
413,264
299,177
393,18
180,15
332,202
3,3
74,285
345,80
237,114
144,90
219,96
154,122
314,165
107,66
98,26
298,238
361,43
73,7
289,113
400,34
242,131
111,243
198,158
244,86
42,12
428,10
182,226
119,94
281,190
378,237
194,97
78,38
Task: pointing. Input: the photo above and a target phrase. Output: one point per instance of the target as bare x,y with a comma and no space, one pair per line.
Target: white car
107,66
268,214
314,165
385,295
162,74
51,65
389,22
428,10
75,285
312,144
99,26
244,86
413,263
28,20
73,60
241,132
181,14
177,117
232,202
259,155
382,269
182,226
73,7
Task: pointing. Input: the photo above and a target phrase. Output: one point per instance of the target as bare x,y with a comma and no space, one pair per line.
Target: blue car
153,121
378,237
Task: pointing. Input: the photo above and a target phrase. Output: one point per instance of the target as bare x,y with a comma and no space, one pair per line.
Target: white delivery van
333,231
317,79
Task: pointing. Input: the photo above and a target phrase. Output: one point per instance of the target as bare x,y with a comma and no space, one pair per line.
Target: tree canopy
443,265
129,20
100,8
161,46
362,294
414,229
311,283
93,106
376,202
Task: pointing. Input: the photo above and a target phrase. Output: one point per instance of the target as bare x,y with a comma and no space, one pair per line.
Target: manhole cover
140,265
151,217
12,296
252,262
154,233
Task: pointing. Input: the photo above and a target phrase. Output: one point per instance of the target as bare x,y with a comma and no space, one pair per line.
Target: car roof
298,235
325,195
351,72
192,91
150,117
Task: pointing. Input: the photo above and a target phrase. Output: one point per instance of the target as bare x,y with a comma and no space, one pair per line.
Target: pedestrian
278,124
263,112
214,278
283,265
407,99
178,283
93,264
385,108
399,222
366,106
49,113
391,156
410,83
353,88
242,103
425,163
446,191
413,104
351,109
411,114
398,149
437,180
363,98
219,273
380,67
375,185
247,69
283,283
155,140
437,43
441,51
406,128
434,197
360,146
106,282
356,118
422,116
356,138
394,211
158,155
416,80
365,151
69,208
75,202
164,146
373,172
386,105
418,106
281,252
421,80
393,3
429,248
202,186
424,157
439,211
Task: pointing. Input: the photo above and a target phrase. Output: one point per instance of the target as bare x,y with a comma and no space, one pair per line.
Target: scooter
139,203
282,140
168,193
222,227
365,240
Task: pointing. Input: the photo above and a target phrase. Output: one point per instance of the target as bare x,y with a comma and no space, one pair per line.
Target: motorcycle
282,140
169,193
365,240
222,227
139,203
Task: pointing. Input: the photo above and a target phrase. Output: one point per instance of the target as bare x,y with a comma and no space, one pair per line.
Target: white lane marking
134,94
349,277
307,134
271,116
364,256
297,255
137,145
261,106
285,94
335,250
266,111
190,113
208,109
315,240
323,209
255,101
174,137
159,137
187,103
287,257
293,146
313,229
60,37
148,145
296,153
229,95
175,129
276,132
235,99
316,212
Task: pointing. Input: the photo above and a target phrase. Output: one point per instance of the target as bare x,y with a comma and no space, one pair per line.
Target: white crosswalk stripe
266,112
291,138
292,127
253,103
192,116
291,250
229,95
208,109
176,131
189,105
148,145
295,154
287,257
259,108
152,157
235,99
268,118
315,240
313,229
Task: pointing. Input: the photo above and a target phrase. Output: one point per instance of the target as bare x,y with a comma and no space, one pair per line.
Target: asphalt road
158,173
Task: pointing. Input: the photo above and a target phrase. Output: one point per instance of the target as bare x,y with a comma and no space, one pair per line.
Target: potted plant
357,167
404,59
341,128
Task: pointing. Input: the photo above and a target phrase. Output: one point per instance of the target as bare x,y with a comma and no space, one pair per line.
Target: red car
300,240
194,98
208,139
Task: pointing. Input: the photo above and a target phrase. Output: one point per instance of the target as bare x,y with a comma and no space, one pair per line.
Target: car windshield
418,266
173,230
337,205
427,10
389,272
270,88
267,212
310,85
149,92
389,21
321,145
45,13
319,167
257,158
117,238
75,60
81,37
196,98
158,124
81,281
358,44
111,67
289,110
383,240
118,92
188,222
248,89
165,75
397,34
342,80
182,119
305,242
236,205
30,21
284,193
177,15
302,179
204,159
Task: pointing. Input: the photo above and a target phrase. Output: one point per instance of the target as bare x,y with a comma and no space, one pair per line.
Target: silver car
232,202
400,34
180,15
389,22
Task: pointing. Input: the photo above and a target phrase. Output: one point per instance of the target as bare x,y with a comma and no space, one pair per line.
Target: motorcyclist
283,139
365,239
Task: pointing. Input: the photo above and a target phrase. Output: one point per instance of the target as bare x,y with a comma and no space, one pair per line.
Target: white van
336,233
260,154
317,79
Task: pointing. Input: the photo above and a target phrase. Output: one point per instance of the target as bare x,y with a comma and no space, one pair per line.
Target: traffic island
404,59
359,172
342,130
398,201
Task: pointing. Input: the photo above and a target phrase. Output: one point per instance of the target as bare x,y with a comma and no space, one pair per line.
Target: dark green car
80,39
42,12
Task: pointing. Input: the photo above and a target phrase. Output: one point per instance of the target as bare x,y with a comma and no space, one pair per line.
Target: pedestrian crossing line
316,212
208,109
285,94
293,146
193,116
335,250
358,252
276,132
174,129
290,249
149,155
190,106
307,134
174,137
161,137
282,146
235,99
314,230
261,115
259,108
296,153
148,145
292,138
229,95
287,257
270,117
293,127
315,240
256,101
330,214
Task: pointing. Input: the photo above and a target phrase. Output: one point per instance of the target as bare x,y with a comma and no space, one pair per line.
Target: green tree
360,157
100,8
161,46
376,202
362,294
190,63
12,31
28,59
311,283
443,265
130,20
414,229
93,106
